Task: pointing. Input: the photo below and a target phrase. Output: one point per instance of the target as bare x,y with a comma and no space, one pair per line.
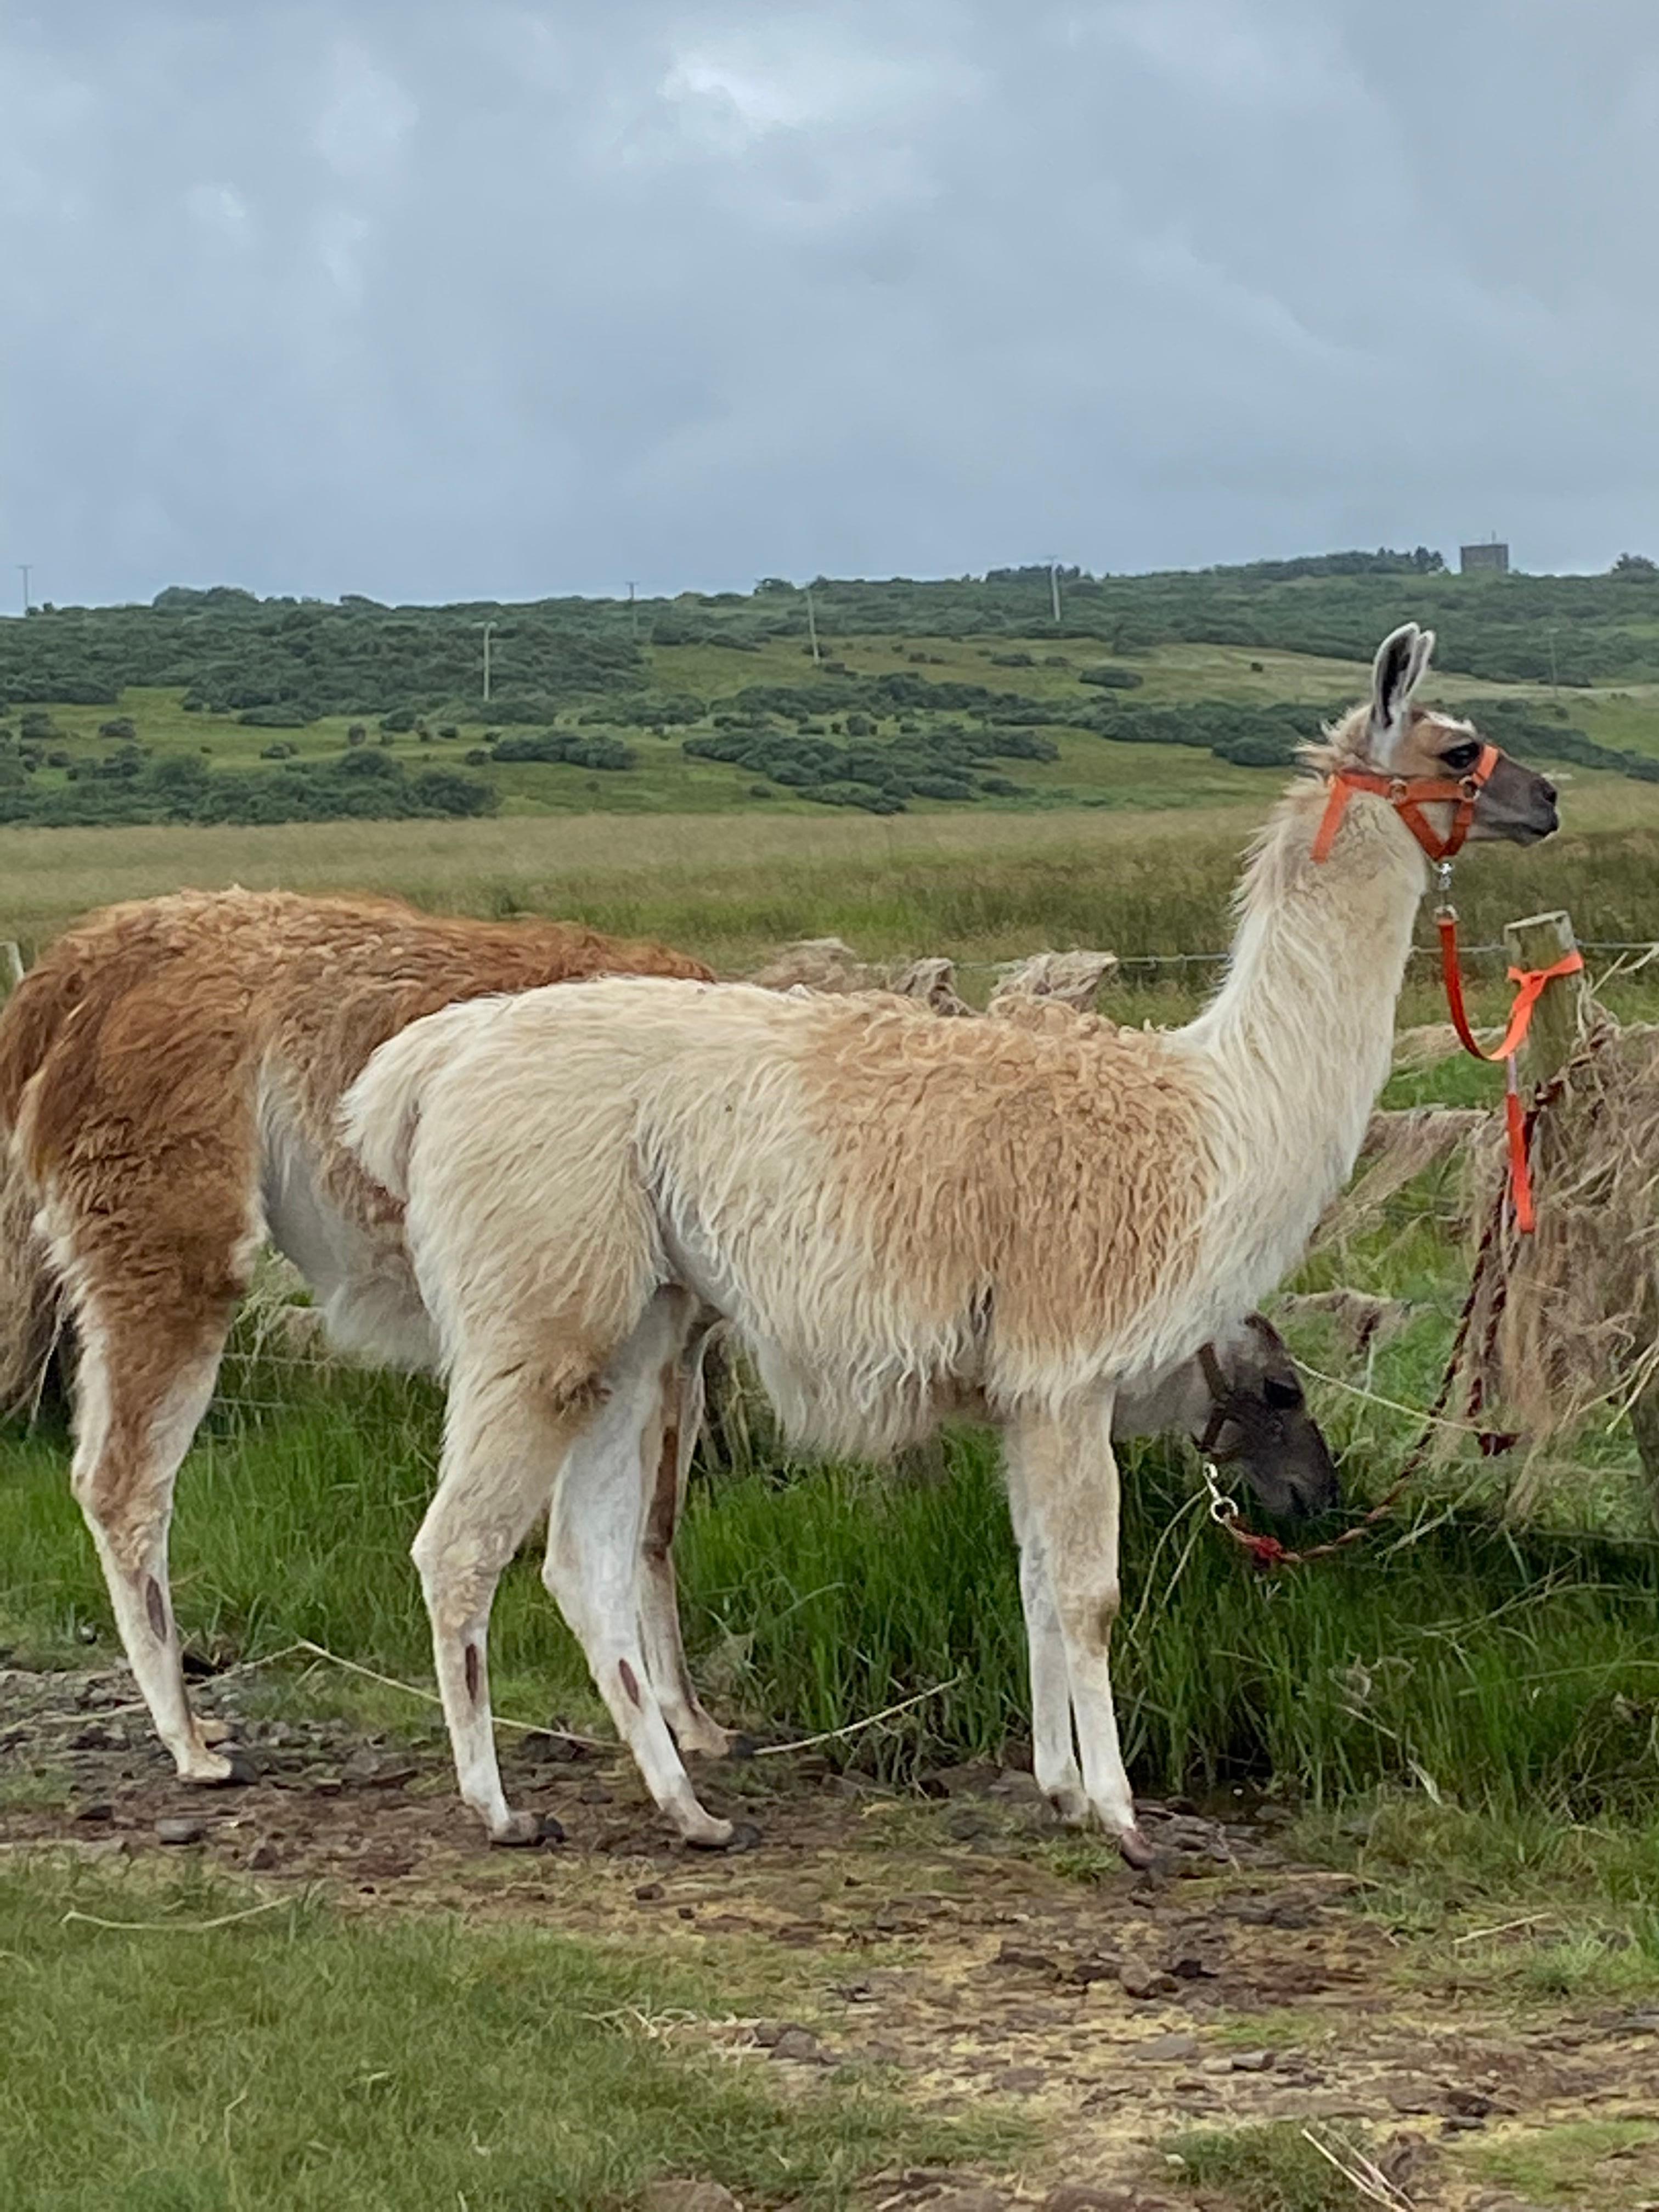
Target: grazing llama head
1392,736
1259,1422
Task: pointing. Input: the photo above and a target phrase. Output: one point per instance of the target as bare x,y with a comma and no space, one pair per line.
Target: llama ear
1402,659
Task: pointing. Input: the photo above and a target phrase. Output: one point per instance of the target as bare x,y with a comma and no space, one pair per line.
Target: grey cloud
428,301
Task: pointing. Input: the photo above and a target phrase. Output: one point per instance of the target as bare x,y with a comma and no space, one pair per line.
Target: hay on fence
1568,1317
818,963
1398,1148
826,963
1362,1320
1069,979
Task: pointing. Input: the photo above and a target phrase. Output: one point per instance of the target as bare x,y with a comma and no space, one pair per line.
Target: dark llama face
1267,1433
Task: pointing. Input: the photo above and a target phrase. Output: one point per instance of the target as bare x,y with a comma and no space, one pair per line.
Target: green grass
980,887
308,2061
1560,2165
1503,1670
1271,2167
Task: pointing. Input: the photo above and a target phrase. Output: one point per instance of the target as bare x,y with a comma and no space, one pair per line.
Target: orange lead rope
1529,982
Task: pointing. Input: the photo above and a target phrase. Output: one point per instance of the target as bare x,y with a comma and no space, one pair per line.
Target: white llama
901,1216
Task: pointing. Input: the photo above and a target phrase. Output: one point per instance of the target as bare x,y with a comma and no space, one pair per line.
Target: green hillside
1149,691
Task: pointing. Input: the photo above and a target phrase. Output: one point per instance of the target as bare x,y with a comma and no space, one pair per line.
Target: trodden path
951,1939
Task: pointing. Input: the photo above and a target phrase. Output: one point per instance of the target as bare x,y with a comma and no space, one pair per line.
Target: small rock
179,1828
1024,1961
94,1739
1092,1969
1409,2097
327,1785
1158,2050
1253,2061
553,1749
688,2197
799,2044
1470,2103
1190,1966
648,1893
373,1770
1138,1980
97,1811
263,1855
1020,2080
686,1912
974,1779
595,1793
87,1633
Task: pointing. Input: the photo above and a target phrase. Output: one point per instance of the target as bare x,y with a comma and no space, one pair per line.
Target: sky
432,301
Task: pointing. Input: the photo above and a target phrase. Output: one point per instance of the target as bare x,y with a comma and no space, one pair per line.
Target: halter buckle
1223,1509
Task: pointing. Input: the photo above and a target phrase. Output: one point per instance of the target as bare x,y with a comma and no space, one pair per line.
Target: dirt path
956,1941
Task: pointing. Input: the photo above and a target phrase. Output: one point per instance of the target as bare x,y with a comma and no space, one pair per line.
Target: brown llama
170,1073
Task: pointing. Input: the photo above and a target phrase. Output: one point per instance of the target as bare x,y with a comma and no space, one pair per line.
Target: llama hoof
745,1837
217,1770
1135,1850
523,1831
712,1836
707,1739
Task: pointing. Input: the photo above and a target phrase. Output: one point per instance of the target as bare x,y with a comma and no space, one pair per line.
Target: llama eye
1462,757
1281,1393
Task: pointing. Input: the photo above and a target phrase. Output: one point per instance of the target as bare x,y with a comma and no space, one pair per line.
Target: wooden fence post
1558,1022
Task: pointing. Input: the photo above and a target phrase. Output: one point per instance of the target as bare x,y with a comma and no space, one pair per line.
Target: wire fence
1647,948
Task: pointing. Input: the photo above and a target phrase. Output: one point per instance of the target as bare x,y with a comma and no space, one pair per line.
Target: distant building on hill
1491,559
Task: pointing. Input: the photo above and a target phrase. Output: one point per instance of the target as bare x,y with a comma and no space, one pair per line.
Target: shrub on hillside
573,748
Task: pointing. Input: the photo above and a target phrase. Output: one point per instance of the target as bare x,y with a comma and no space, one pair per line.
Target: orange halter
1408,795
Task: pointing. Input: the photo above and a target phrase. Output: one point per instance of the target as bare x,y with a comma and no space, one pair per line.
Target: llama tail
381,1111
31,1306
29,1297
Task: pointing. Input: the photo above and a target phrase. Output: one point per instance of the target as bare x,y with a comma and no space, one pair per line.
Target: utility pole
813,627
633,615
1555,678
486,628
23,570
1053,590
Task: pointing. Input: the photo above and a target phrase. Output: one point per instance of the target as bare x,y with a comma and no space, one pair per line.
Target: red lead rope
1529,983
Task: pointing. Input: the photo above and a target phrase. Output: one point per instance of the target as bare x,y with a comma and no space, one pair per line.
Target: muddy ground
945,1937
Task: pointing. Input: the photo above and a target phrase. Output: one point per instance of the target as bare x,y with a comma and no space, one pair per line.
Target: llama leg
1053,1754
137,1405
595,1544
1069,1477
500,1455
674,1434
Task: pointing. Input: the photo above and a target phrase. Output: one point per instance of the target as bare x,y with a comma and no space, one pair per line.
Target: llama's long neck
1297,1042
